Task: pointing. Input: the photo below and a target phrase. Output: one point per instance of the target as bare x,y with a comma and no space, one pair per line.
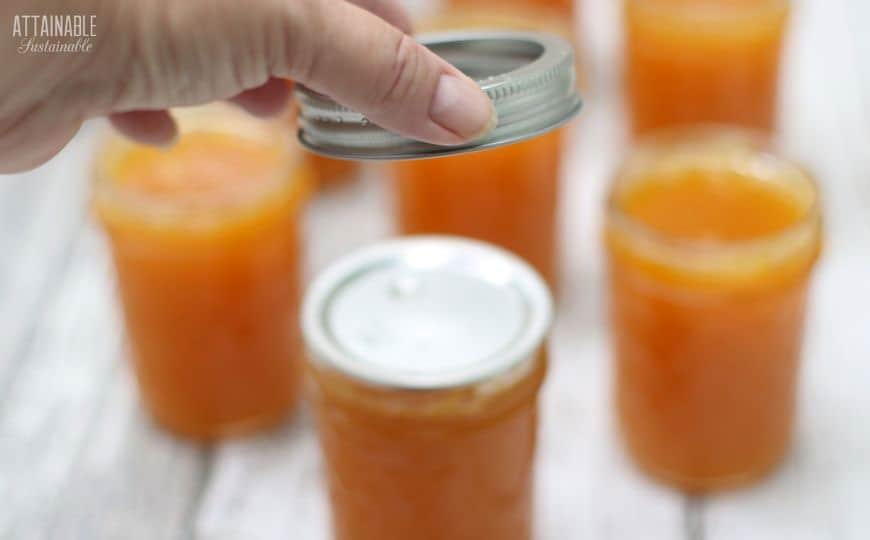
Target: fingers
187,53
390,11
159,129
266,100
149,127
35,137
364,63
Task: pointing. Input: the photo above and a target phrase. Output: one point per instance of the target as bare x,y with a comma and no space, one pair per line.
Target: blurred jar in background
698,61
507,196
426,356
328,172
531,10
711,241
205,241
556,17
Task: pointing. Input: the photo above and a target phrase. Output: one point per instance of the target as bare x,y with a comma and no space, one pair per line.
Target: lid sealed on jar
529,76
426,312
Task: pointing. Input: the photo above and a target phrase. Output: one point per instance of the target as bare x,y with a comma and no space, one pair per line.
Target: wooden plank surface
80,459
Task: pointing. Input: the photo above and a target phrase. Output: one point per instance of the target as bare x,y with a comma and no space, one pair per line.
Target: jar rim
216,118
749,144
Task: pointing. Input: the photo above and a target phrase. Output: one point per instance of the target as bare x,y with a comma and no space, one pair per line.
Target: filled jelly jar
205,241
329,172
426,356
700,61
508,196
711,240
551,8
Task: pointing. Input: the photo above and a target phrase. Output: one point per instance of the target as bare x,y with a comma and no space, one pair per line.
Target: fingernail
460,107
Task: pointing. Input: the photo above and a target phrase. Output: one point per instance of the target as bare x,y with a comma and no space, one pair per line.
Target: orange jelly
429,465
507,196
204,237
532,10
563,8
690,61
426,360
711,242
327,171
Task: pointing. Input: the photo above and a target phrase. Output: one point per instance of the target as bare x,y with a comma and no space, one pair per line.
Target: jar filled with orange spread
690,61
425,360
534,11
328,172
711,242
508,196
554,16
554,8
205,241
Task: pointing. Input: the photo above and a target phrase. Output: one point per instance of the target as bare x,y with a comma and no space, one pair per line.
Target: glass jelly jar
205,241
426,358
697,61
508,196
711,241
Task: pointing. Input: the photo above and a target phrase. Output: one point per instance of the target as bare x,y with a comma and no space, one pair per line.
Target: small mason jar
508,196
698,61
205,241
425,359
711,242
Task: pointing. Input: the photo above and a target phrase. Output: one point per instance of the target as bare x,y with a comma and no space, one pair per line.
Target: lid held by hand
530,78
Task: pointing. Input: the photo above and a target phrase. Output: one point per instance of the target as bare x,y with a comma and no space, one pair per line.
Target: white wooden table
79,459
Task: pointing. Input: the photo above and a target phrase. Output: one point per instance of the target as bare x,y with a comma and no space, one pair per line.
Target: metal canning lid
426,312
530,78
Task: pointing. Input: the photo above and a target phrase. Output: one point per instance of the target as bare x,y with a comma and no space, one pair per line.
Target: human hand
149,55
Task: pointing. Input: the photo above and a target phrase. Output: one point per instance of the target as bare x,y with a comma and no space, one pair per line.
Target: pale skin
151,55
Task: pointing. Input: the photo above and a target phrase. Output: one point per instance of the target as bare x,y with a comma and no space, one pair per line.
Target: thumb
364,63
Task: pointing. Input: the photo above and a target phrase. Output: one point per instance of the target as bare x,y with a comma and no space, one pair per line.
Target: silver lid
426,312
530,78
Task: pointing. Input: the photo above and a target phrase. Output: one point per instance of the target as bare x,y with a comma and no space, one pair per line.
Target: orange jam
430,465
204,237
711,242
326,171
534,8
507,196
554,16
691,61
